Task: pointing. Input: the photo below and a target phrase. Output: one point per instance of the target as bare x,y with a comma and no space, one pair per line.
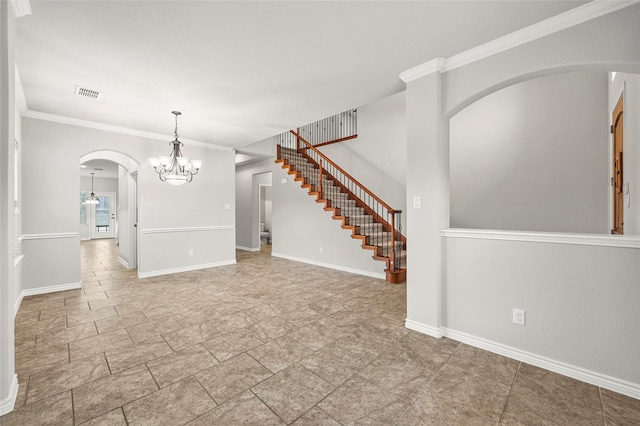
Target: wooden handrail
346,138
347,175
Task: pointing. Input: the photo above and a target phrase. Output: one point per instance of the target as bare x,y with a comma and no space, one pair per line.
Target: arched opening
117,214
535,153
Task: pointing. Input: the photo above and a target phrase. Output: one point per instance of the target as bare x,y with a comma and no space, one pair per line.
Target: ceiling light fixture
92,198
175,169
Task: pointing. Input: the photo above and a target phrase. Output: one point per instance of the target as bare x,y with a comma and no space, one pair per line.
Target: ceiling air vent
88,93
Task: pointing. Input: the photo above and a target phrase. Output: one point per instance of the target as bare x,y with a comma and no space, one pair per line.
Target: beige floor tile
65,335
176,366
360,402
245,409
112,418
234,322
31,361
397,375
152,329
270,329
110,301
34,328
91,316
554,397
280,353
174,405
315,417
456,396
164,311
56,410
66,376
228,345
288,331
486,364
228,379
121,321
191,335
292,392
85,298
103,287
334,364
102,343
101,396
620,409
138,354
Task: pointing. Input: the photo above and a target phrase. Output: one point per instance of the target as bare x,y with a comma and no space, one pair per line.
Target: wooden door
618,169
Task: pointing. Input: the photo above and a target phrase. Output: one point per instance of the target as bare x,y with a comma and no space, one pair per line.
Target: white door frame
112,219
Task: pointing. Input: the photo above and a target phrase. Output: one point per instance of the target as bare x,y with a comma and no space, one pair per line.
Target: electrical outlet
518,316
417,202
192,252
321,250
227,206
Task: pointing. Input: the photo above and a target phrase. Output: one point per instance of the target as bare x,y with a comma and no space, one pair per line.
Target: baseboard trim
248,248
380,275
16,306
181,269
423,328
123,262
7,404
43,290
50,289
602,380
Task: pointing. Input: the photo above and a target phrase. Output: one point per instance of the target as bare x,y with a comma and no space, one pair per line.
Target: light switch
283,180
227,206
417,202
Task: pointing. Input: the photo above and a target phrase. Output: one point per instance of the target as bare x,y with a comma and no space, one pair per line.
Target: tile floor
267,341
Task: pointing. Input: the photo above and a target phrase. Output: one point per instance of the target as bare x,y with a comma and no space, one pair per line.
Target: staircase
359,211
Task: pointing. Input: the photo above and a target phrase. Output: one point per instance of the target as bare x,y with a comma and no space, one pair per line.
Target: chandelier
92,199
175,169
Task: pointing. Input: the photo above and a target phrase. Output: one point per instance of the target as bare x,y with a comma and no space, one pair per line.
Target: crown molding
116,129
563,21
20,8
434,65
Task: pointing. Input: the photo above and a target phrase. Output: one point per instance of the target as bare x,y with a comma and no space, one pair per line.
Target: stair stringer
377,255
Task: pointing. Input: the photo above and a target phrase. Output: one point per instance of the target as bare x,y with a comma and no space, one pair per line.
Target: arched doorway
125,198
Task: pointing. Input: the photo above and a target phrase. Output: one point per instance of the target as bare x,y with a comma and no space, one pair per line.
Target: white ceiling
101,168
241,71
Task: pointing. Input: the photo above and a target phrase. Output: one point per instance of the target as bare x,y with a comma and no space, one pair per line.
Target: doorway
618,167
102,216
264,214
115,216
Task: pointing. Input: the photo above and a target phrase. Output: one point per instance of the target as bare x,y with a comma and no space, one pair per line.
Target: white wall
301,228
100,184
168,231
534,157
8,378
630,84
581,304
448,283
377,157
